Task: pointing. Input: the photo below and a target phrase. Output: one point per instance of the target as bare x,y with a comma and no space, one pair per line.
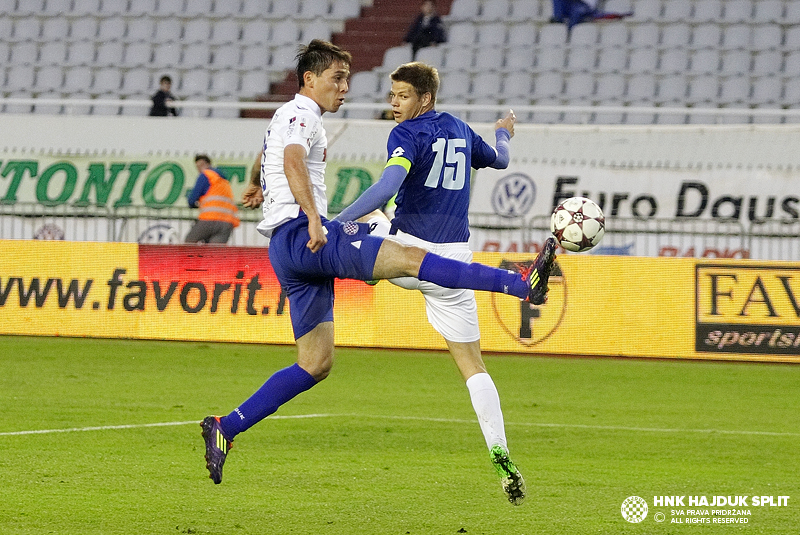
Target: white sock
486,403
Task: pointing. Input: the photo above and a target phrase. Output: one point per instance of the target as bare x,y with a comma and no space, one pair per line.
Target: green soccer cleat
510,478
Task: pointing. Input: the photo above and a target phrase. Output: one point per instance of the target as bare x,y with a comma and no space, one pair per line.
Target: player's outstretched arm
376,195
253,196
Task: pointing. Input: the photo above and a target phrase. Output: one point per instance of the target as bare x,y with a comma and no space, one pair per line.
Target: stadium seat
225,113
547,85
316,29
142,7
454,85
77,109
765,90
491,34
226,57
707,11
736,36
517,84
579,85
195,83
109,8
282,57
225,32
766,37
524,59
522,35
77,79
768,11
284,33
169,8
85,8
486,84
671,89
50,53
49,78
462,33
495,10
56,8
489,58
642,60
463,10
106,109
198,8
111,29
226,10
552,36
80,53
48,109
676,35
364,83
25,53
632,117
647,10
457,59
734,89
607,117
613,35
547,117
612,60
197,55
345,9
109,54
584,35
735,61
395,56
704,61
581,59
674,60
140,29
609,87
254,57
282,9
17,107
133,110
432,55
703,88
255,83
644,35
677,11
792,13
224,83
255,9
256,32
197,30
167,30
311,9
737,11
706,35
767,62
25,29
524,10
136,81
83,29
107,81
671,118
641,88
137,54
55,29
167,55
791,66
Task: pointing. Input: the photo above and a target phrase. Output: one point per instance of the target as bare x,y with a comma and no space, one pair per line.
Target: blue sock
454,274
280,388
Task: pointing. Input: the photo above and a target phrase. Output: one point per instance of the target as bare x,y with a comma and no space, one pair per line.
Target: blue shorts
308,277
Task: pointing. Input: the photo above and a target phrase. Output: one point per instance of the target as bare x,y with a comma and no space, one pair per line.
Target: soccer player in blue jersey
430,156
308,251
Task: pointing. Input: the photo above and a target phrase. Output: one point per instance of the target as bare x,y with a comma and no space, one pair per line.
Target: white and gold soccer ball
578,224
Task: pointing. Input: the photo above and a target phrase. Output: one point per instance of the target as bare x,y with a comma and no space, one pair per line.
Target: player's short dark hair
421,76
203,157
165,78
318,56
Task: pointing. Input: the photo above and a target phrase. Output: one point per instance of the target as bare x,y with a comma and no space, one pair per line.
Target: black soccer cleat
217,447
538,274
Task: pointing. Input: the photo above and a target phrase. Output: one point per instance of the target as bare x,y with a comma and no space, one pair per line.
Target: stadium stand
741,54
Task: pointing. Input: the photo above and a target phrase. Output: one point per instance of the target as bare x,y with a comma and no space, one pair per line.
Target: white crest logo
634,509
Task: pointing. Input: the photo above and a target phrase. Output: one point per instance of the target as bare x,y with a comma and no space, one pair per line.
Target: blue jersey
433,201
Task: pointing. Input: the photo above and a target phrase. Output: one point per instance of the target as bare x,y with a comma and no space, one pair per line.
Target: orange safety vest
217,204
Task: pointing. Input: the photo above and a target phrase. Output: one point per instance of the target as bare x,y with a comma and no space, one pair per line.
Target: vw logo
513,195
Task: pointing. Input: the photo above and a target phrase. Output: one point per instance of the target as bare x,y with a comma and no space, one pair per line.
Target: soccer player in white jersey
430,156
308,251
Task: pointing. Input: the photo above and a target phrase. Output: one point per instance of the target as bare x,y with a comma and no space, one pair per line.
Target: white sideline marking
422,419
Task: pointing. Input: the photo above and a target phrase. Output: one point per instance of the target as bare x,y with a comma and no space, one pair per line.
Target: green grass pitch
393,447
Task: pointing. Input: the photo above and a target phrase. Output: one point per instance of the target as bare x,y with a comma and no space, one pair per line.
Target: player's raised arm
253,195
503,132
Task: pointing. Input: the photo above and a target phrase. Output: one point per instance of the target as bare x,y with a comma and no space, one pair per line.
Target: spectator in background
572,12
427,29
163,99
212,193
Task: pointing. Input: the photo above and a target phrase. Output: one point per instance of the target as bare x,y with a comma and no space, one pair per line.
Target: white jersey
298,122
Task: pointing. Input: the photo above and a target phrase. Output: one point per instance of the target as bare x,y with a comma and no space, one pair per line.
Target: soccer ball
578,224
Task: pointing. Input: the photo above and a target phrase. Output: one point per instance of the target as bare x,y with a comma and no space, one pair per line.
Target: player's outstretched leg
510,478
539,272
217,447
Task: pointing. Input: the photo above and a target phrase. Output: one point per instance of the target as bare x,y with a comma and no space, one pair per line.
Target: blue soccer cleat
217,447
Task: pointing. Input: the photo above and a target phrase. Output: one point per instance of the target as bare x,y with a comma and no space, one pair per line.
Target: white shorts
452,312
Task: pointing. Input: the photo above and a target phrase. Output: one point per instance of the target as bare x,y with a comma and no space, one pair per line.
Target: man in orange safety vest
213,195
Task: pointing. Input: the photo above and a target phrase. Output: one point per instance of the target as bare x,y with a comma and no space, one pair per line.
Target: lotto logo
634,509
